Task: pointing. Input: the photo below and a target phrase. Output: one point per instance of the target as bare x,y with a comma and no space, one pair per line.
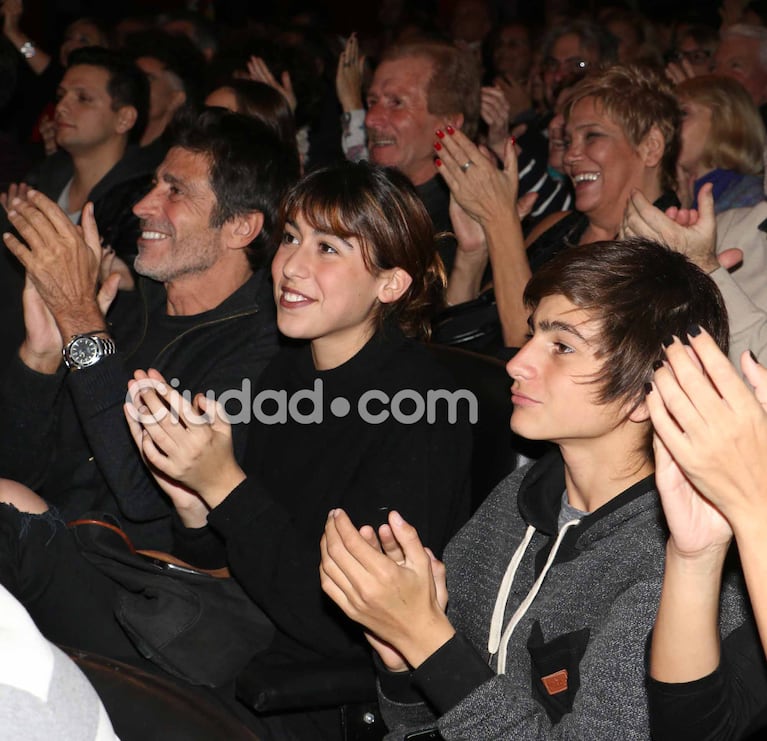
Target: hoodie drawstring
498,643
496,623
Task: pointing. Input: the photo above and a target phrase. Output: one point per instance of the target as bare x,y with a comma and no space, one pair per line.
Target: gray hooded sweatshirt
552,621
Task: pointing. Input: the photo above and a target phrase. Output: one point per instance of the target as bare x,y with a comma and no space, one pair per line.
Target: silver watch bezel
102,346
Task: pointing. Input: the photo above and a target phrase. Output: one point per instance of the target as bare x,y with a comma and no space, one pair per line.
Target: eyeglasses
569,66
695,56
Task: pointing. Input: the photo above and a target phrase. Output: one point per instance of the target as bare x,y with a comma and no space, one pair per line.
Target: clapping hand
189,443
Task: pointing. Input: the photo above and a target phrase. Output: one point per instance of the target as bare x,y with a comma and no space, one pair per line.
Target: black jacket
67,436
113,196
728,704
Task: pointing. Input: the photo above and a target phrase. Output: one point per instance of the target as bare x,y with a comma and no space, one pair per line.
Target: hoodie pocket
555,672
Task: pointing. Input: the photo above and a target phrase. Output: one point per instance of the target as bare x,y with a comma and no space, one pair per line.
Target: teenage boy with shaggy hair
555,581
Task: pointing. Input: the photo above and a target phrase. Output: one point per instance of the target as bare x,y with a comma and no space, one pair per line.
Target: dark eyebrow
556,325
320,233
172,179
193,187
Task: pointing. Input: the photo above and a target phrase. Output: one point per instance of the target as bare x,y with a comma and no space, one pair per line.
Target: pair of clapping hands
187,445
70,282
389,583
479,191
710,446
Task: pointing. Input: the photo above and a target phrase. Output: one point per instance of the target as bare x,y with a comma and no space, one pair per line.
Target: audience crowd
243,258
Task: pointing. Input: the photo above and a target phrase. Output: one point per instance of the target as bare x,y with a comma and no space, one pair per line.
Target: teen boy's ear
640,413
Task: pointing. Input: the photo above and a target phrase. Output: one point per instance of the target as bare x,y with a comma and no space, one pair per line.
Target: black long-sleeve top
726,705
272,523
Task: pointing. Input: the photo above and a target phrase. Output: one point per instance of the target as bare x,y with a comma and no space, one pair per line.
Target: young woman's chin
292,326
333,337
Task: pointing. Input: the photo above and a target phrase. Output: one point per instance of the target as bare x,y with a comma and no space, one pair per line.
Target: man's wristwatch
85,350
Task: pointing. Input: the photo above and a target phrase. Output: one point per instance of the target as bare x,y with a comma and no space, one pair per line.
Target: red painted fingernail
437,146
449,129
513,140
440,133
438,162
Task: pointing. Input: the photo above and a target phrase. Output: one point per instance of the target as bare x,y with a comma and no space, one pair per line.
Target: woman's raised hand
478,186
260,72
689,231
351,65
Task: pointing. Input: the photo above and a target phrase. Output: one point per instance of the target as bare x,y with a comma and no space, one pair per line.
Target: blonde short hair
737,137
636,98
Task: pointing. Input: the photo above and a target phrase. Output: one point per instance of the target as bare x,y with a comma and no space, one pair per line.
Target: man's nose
147,205
375,116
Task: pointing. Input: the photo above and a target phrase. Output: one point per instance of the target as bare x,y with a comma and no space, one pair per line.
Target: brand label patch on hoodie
556,682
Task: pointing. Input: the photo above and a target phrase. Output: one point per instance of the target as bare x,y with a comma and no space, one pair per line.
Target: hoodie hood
540,498
540,501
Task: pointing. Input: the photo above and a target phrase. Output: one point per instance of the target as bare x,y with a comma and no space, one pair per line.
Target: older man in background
417,88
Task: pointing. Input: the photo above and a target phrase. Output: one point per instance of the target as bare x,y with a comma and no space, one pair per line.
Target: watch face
84,351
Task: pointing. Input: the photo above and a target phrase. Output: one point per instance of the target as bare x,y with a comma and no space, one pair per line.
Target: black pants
69,599
71,602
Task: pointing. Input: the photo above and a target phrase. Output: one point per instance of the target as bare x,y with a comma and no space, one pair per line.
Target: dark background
45,20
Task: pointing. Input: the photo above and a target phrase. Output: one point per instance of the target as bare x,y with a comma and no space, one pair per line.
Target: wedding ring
466,165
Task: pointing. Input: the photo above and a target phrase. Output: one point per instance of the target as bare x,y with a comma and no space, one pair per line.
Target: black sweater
272,523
